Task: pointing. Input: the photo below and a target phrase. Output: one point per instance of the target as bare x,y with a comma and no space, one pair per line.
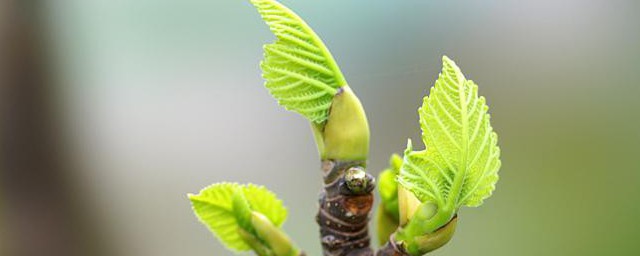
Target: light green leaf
388,187
226,207
388,215
385,225
242,209
214,208
460,163
299,70
264,201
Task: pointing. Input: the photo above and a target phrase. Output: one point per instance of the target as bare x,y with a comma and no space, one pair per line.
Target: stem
392,248
345,203
276,240
255,243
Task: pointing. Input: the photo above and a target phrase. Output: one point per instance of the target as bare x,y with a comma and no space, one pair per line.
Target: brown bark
391,249
345,203
34,205
38,213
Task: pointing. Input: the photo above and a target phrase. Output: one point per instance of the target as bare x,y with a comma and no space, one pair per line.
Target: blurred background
112,111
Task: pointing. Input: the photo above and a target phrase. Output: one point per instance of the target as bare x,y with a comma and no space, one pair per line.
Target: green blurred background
156,99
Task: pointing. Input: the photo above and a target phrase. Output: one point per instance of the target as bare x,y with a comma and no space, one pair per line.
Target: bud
356,179
346,133
429,242
254,243
408,204
276,240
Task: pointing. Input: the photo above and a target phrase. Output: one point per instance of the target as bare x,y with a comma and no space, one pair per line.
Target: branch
345,203
391,248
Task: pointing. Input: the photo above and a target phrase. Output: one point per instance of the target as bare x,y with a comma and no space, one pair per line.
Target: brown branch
345,203
39,210
391,248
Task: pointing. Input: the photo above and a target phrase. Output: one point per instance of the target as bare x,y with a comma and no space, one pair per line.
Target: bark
391,248
35,206
345,203
39,210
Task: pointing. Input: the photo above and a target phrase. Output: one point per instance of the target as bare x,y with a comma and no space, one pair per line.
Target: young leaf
385,225
242,210
299,70
460,163
388,216
214,208
264,201
225,208
388,187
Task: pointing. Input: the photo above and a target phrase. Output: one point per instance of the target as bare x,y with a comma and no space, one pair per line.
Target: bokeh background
134,104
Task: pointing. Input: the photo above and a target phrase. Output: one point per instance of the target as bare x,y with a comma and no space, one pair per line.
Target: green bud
427,219
388,189
275,239
241,209
255,243
386,224
429,228
346,133
421,245
395,163
408,204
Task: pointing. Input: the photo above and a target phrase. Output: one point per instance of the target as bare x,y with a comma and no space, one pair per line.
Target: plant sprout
421,191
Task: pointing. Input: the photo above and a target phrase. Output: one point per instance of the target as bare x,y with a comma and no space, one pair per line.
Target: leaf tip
448,63
395,162
256,2
408,150
450,68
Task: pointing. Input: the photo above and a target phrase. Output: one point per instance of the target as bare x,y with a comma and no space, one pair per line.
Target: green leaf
264,201
460,163
225,208
388,215
299,70
214,208
388,187
242,209
385,224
